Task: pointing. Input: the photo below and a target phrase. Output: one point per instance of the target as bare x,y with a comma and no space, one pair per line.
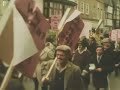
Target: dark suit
100,78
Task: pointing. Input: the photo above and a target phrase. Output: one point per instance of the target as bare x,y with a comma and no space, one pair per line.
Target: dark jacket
72,77
100,78
82,60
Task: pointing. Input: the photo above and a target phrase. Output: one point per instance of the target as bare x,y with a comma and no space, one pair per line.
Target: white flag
19,38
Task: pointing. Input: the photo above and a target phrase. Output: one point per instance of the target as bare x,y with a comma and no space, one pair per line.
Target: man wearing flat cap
114,54
64,75
109,50
106,42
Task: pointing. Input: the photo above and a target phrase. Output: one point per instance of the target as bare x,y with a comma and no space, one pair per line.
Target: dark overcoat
82,60
100,79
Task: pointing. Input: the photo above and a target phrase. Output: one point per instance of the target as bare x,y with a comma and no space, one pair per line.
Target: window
94,11
55,9
98,5
118,13
46,4
78,6
108,16
5,2
110,9
46,12
82,7
101,14
3,6
98,13
87,9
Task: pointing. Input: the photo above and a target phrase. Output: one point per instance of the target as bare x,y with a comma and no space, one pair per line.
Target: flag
38,26
16,42
71,30
6,36
86,29
22,36
37,23
64,17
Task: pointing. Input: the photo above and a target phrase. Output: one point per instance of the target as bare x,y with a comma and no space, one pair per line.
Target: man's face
106,45
99,51
61,57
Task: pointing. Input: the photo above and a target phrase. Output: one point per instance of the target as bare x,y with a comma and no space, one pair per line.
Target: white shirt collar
80,52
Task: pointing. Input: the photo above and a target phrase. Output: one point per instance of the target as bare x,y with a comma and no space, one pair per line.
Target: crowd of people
73,69
98,60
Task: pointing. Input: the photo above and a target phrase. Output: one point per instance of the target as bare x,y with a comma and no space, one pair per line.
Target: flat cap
63,48
106,40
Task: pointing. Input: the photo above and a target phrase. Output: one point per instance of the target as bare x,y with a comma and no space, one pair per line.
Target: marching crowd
72,70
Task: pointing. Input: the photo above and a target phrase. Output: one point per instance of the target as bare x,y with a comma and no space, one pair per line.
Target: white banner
115,34
87,27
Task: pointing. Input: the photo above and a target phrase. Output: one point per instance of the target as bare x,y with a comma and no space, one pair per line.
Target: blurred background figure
47,54
3,69
92,45
15,84
81,58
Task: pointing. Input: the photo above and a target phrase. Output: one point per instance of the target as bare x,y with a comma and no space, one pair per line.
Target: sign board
87,27
115,34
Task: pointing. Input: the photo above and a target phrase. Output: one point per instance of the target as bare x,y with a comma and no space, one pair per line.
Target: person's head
83,42
15,84
106,42
99,50
93,30
63,54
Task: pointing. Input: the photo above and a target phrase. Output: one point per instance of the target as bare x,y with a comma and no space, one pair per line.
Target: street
114,82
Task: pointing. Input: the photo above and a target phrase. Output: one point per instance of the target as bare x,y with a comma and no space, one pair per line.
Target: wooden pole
7,77
50,70
99,23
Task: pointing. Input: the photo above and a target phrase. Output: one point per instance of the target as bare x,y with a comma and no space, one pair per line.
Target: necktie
98,59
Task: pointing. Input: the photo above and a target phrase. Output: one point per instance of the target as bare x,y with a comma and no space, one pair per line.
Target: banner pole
7,77
50,70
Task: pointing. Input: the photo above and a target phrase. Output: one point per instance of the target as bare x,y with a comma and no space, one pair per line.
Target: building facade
92,11
52,9
112,14
108,25
56,7
116,14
